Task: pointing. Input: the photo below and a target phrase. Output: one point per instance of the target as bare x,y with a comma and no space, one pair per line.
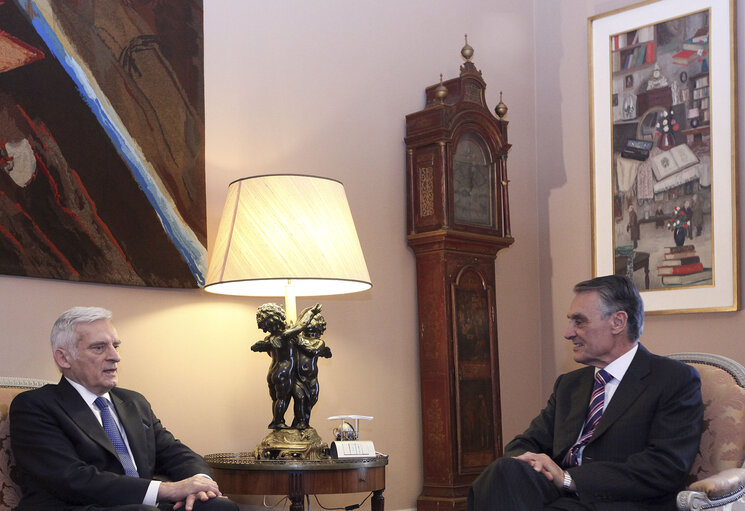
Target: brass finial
441,92
501,108
467,51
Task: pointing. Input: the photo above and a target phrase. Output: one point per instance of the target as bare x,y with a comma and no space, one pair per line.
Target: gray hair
64,334
618,293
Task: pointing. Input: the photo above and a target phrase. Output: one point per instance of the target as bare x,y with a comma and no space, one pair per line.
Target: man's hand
545,465
185,492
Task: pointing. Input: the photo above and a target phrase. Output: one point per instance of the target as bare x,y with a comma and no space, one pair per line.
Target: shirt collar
619,366
86,394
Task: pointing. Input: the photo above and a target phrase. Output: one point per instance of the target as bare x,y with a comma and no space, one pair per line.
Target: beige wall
322,88
325,91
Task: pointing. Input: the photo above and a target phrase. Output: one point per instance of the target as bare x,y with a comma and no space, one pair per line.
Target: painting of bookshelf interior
633,50
700,97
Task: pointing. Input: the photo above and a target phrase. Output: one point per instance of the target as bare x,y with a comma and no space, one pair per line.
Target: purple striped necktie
594,412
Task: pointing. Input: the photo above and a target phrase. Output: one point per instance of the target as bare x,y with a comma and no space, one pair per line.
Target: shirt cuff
151,496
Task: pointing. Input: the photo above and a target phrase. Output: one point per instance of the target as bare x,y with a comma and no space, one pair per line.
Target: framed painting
663,163
102,142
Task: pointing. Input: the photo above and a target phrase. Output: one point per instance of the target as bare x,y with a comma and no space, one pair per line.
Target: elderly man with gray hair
87,445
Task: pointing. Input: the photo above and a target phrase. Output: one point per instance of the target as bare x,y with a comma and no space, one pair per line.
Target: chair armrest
719,489
721,484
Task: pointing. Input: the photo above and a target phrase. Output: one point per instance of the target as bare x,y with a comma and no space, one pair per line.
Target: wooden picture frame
657,179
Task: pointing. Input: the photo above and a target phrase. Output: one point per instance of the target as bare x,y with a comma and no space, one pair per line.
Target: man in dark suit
623,443
73,452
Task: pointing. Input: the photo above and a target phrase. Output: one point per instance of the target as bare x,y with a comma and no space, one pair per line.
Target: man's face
597,341
95,364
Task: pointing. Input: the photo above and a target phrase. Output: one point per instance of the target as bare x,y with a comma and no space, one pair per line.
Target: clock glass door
472,182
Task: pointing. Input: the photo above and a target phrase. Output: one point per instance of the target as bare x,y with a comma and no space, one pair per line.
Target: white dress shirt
617,369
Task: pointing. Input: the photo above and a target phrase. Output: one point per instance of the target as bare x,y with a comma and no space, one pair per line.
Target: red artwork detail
15,53
43,236
37,128
11,238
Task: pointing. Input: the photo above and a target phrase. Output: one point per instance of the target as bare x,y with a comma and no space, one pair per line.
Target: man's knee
505,468
510,484
129,507
217,504
501,473
509,464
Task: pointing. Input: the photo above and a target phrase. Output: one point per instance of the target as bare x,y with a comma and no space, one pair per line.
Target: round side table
243,474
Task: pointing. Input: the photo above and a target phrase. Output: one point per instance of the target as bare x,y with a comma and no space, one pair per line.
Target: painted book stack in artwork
682,266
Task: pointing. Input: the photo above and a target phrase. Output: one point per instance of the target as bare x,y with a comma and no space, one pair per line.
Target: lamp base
288,444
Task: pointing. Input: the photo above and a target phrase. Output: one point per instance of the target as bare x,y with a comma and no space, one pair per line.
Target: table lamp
288,235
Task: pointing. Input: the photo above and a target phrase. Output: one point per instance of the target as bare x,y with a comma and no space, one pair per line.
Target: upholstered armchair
10,388
717,478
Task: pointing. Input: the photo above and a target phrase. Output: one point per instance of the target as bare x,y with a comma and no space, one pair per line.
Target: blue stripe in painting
193,252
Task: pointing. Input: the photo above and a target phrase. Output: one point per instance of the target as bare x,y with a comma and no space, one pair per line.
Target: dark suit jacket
64,458
645,442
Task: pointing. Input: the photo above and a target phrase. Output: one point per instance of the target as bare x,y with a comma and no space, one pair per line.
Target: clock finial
467,51
501,108
441,92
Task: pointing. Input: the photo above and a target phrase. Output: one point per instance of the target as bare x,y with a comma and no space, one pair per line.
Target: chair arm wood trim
22,383
731,366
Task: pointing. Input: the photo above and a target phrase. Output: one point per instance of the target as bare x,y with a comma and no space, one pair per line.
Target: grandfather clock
458,219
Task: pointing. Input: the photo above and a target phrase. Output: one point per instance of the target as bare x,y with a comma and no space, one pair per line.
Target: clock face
472,183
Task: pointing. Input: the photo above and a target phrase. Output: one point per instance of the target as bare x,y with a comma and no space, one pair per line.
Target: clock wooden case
458,219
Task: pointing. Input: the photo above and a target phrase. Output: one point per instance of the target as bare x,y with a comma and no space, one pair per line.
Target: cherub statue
281,346
310,346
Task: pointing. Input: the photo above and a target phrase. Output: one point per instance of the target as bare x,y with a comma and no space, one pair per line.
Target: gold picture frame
664,209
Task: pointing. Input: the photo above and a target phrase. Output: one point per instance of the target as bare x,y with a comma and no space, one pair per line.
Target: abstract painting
102,141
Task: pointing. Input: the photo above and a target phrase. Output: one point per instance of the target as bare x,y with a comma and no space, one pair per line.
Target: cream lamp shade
286,235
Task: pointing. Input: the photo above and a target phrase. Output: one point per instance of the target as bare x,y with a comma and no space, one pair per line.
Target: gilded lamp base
288,444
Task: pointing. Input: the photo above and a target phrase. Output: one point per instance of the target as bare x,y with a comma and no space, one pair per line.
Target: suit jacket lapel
132,424
579,399
628,390
82,415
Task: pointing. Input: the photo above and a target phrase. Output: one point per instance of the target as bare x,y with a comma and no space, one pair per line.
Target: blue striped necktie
109,425
594,412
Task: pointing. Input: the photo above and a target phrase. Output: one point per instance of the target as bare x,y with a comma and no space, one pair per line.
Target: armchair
9,389
717,477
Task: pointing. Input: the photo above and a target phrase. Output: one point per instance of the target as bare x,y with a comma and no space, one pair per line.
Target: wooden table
243,474
641,260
